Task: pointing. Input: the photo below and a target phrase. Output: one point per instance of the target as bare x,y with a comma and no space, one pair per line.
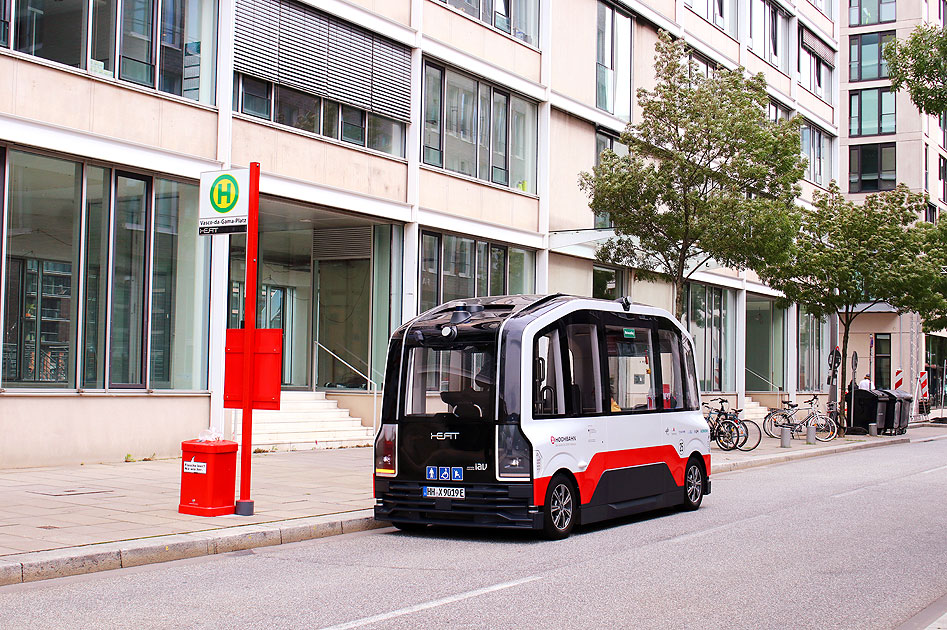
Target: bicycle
826,428
749,432
723,431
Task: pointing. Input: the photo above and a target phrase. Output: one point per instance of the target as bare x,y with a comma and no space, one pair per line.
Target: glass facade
479,130
455,267
872,167
165,44
711,322
102,270
519,18
814,347
936,366
766,345
865,61
871,112
613,71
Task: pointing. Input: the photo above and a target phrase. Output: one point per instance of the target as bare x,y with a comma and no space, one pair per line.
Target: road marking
431,604
715,529
845,494
934,470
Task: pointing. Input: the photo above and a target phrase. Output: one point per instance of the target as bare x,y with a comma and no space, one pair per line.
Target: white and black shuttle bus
539,412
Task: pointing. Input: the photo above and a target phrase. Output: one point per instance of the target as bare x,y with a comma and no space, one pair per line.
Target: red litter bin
208,475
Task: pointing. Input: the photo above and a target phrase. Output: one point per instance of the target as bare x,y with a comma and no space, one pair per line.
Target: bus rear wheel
561,509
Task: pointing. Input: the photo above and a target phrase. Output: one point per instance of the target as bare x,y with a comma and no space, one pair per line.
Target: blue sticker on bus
456,474
431,473
443,473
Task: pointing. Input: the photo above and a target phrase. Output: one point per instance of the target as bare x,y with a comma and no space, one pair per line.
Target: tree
707,176
920,64
848,257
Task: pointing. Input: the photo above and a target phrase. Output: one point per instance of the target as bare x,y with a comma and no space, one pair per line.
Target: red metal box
208,475
267,368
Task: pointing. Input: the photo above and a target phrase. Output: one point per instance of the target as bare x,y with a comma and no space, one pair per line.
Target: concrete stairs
754,411
305,421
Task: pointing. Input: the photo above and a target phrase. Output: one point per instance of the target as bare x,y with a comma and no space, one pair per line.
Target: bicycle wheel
825,428
772,419
752,435
728,435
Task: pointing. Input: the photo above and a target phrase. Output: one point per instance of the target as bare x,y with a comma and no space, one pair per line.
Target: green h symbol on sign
224,193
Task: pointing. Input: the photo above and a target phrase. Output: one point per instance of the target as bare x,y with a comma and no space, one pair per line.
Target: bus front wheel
693,484
561,509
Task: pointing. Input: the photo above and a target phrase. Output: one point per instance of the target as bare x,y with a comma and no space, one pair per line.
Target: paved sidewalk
76,519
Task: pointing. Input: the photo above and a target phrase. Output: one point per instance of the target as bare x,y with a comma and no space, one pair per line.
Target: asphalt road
857,540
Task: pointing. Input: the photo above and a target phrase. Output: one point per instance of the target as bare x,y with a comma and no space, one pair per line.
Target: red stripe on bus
613,460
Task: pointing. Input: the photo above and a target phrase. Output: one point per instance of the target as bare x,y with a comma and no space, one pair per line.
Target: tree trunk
680,299
843,405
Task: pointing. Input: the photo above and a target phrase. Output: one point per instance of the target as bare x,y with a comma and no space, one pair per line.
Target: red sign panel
267,368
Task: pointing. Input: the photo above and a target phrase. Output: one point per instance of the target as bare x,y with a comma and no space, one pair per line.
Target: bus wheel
561,509
693,485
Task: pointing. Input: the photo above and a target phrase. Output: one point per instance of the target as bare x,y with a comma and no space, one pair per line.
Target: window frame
611,69
879,147
859,94
855,10
855,59
486,13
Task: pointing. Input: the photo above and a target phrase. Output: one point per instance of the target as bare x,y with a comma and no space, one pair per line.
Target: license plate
443,493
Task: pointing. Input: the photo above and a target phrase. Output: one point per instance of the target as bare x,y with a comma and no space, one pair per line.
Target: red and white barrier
898,379
925,393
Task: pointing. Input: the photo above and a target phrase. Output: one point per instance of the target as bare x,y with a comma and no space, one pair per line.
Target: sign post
230,203
244,506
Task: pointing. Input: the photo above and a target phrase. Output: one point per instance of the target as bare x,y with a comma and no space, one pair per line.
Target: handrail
372,383
763,378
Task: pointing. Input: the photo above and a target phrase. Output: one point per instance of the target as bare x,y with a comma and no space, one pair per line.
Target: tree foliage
848,257
707,176
919,63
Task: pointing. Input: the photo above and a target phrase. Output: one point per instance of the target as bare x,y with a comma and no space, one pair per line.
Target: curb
791,456
46,565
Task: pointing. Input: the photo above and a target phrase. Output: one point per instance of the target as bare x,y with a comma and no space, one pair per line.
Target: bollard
784,436
810,434
873,429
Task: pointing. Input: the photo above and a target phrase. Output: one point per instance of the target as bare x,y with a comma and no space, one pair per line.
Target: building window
163,44
930,213
942,120
700,65
942,175
813,348
606,283
769,33
882,378
455,267
817,148
776,112
479,130
816,63
825,6
613,62
316,115
519,18
710,322
141,247
605,141
927,168
872,167
871,112
864,12
720,13
865,61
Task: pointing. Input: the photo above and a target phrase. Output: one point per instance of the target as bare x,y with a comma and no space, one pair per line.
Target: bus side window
548,392
630,374
585,390
671,375
690,372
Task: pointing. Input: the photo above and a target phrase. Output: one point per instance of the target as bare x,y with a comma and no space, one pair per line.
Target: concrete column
219,304
543,164
792,351
740,345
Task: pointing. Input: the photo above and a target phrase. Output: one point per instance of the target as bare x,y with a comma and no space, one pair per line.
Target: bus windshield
457,380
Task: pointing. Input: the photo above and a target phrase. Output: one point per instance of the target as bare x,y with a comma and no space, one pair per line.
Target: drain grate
69,492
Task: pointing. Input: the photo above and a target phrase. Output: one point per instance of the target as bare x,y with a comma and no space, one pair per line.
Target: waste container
891,412
208,476
897,412
869,407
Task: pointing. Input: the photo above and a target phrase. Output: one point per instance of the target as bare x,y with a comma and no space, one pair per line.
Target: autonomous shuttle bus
539,412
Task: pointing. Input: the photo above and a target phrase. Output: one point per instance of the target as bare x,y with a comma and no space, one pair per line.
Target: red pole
244,506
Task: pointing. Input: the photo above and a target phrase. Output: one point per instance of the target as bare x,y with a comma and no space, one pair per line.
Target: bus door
637,427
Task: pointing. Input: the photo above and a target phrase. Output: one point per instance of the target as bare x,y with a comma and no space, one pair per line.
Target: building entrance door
343,323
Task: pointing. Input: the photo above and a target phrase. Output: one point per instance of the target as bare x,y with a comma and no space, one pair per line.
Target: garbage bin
890,416
906,401
924,406
869,407
208,477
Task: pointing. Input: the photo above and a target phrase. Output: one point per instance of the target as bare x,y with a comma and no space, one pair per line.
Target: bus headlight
386,463
513,453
